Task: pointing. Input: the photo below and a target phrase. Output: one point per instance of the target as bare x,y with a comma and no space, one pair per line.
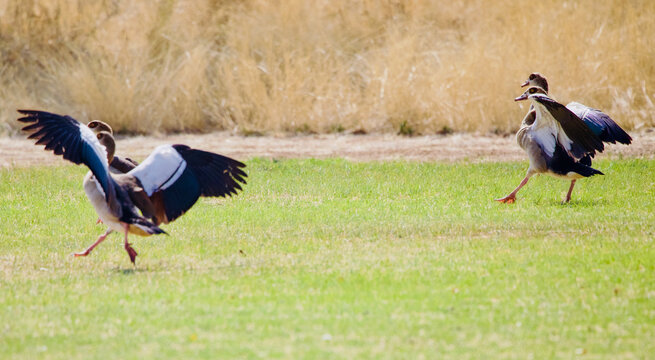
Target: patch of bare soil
15,151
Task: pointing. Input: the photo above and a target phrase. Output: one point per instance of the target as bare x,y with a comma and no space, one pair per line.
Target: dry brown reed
271,66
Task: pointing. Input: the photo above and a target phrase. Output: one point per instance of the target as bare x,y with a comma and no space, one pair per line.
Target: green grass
333,259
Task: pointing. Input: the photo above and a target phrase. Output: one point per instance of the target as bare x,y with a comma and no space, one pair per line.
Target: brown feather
123,165
157,200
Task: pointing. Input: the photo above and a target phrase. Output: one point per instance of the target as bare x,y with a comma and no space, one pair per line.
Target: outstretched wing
218,175
74,141
180,175
600,124
577,137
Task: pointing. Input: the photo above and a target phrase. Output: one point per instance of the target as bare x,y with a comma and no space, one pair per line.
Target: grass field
334,259
268,66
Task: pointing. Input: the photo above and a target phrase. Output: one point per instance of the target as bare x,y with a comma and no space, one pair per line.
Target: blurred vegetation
267,66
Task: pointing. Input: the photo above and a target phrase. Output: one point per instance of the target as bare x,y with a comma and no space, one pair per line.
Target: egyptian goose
118,165
599,122
555,141
159,190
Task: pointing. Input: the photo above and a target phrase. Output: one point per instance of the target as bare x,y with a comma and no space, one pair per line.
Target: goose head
97,126
532,92
536,79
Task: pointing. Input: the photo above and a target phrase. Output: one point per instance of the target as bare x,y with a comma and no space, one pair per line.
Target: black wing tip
32,114
30,118
37,116
624,138
182,147
151,228
27,119
617,136
156,230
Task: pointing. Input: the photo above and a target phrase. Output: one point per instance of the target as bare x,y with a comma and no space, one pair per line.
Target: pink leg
131,252
100,239
512,196
568,195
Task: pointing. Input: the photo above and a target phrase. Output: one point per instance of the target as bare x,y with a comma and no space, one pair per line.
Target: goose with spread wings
600,123
556,141
159,190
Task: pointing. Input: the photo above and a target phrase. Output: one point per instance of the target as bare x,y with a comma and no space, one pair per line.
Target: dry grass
322,66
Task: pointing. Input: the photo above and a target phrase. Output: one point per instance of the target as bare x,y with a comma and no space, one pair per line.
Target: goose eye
99,136
531,77
533,90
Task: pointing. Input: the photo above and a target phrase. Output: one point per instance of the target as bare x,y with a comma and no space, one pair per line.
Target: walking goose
599,122
159,190
555,141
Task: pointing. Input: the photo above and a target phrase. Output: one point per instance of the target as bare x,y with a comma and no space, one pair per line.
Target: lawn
336,259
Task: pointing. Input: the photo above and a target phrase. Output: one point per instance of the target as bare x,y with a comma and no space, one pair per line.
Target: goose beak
526,83
522,97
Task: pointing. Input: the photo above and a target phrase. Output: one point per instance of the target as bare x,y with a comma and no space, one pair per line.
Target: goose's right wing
600,124
180,175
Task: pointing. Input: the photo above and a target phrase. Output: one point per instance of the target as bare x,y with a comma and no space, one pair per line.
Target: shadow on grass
584,203
189,269
130,271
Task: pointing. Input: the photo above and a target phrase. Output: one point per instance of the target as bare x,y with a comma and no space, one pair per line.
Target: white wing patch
547,130
564,139
545,137
160,170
